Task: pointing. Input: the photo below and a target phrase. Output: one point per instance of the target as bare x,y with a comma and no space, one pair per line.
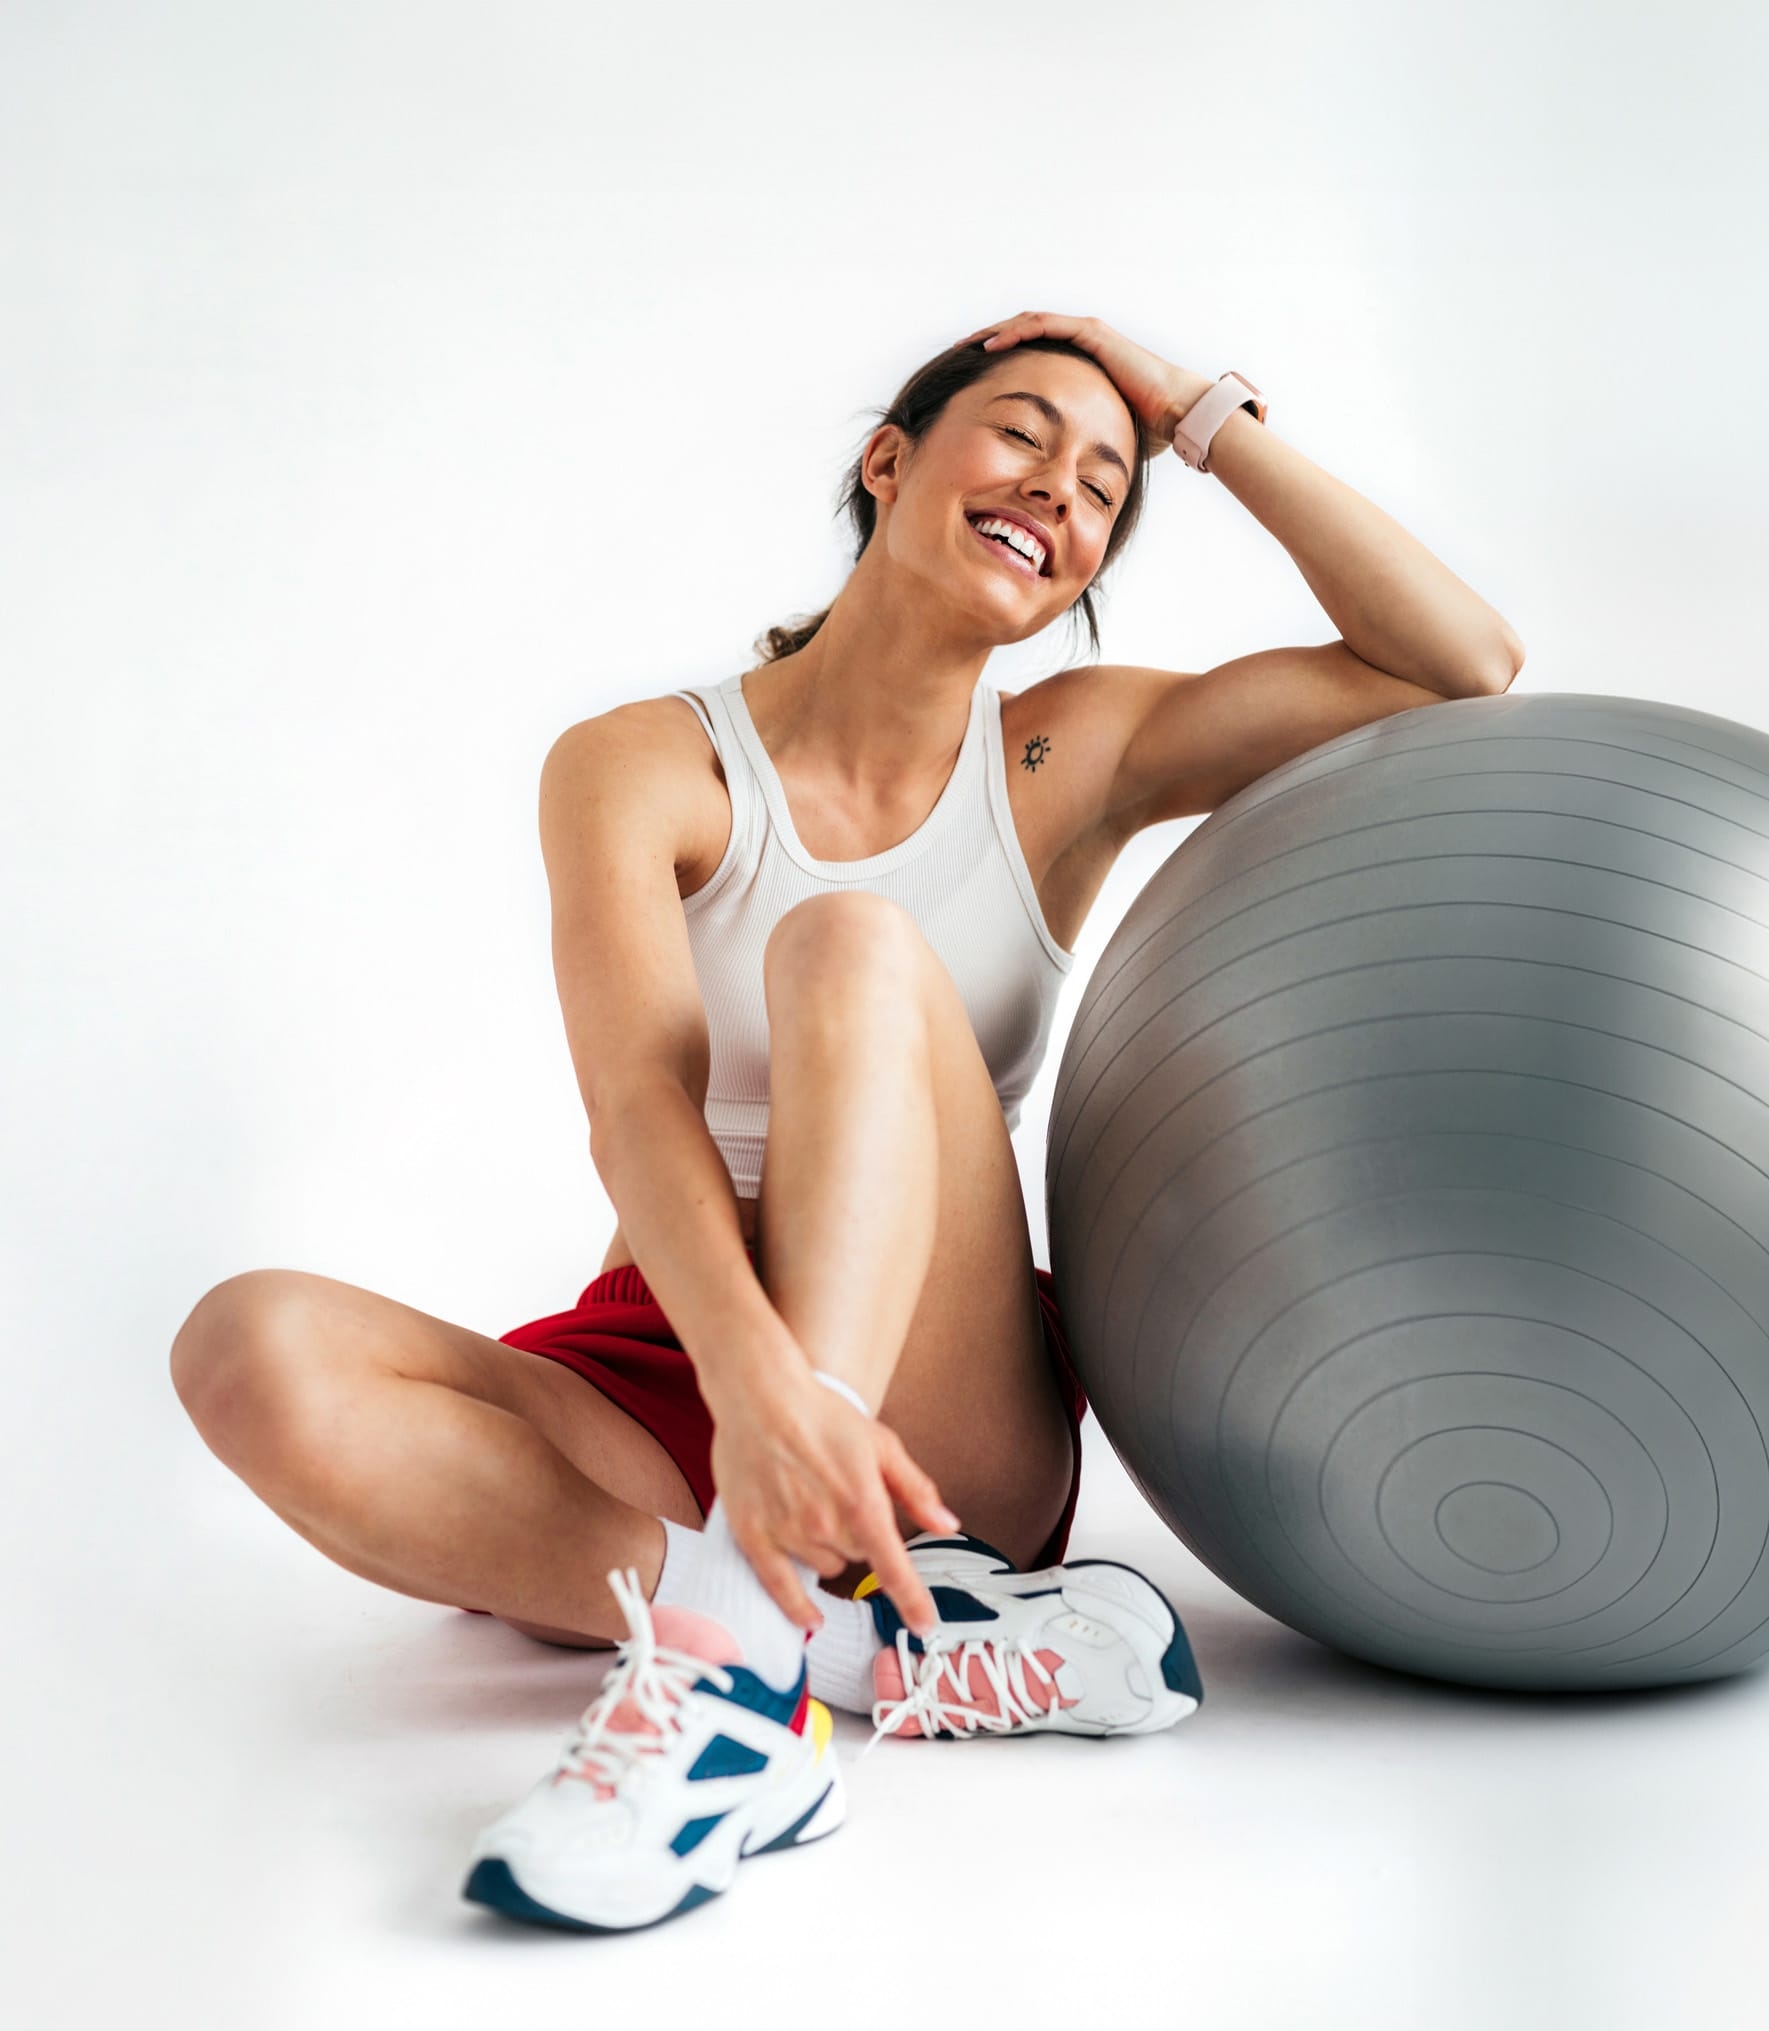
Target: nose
1057,501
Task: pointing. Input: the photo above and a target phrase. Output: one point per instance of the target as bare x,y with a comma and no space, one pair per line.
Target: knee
237,1360
842,933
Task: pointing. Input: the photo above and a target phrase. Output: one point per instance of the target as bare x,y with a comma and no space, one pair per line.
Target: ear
882,462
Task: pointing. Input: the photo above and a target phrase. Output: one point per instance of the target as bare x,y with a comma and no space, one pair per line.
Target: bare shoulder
668,726
658,748
1064,739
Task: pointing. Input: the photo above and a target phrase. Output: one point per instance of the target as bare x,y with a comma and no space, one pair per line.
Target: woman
819,913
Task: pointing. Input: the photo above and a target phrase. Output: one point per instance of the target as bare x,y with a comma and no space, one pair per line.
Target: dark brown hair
918,405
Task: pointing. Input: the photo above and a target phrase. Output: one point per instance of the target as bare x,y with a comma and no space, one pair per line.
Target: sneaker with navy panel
1090,1647
684,1765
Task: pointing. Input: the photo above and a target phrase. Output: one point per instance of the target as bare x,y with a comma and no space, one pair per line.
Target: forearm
661,1168
1393,602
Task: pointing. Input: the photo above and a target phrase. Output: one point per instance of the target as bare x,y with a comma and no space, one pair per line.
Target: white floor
243,1782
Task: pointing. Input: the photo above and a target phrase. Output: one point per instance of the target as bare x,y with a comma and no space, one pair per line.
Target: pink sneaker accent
699,1635
887,1684
679,1629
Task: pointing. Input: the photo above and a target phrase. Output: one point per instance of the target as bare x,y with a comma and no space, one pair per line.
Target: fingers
774,1569
827,1562
906,1587
843,1509
913,1488
1087,332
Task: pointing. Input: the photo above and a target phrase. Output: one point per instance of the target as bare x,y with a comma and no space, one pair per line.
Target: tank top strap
1007,834
741,787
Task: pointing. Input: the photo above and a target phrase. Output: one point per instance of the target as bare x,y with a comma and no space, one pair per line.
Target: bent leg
892,1223
426,1457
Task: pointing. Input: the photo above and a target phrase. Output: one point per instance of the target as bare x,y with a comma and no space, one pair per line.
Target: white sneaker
1087,1648
684,1764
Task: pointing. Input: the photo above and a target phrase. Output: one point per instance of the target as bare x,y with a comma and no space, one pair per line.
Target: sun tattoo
1037,750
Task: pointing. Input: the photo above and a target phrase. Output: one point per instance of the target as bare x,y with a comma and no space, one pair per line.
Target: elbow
1494,673
640,1095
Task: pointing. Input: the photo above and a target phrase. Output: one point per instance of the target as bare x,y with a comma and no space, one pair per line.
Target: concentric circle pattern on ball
1408,1192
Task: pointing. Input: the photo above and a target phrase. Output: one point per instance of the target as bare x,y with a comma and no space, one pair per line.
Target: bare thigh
262,1350
974,1396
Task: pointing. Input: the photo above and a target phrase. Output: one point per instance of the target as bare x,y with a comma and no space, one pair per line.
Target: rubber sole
493,1883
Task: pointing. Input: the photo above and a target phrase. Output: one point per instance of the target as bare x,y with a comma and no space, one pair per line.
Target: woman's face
1041,439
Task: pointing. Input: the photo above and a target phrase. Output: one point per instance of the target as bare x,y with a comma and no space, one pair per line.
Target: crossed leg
891,1238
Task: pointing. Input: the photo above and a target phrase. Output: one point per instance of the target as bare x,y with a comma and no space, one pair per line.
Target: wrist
755,1370
1199,430
1187,387
845,1390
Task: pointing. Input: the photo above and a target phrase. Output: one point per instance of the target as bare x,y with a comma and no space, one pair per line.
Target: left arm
1396,606
1413,634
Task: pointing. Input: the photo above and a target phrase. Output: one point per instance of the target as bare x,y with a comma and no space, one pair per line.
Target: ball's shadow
1262,1669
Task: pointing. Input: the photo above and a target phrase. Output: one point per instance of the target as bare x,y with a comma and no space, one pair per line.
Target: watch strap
1193,432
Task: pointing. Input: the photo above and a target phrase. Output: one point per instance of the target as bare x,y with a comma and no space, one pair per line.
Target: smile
1004,554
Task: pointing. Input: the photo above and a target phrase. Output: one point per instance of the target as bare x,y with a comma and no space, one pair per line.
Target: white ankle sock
837,1658
704,1570
840,1655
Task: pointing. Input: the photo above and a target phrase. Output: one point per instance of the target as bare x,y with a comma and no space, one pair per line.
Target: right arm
801,1473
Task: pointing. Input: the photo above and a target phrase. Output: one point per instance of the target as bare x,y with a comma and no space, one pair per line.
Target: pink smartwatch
1193,432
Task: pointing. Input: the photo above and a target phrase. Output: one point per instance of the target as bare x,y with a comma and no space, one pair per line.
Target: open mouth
1003,544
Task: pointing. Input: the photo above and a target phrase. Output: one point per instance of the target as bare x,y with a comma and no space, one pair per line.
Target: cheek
1090,562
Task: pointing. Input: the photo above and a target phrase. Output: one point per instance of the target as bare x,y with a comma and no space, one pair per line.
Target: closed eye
1027,438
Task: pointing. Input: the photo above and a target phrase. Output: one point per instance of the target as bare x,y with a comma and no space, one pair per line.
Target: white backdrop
385,386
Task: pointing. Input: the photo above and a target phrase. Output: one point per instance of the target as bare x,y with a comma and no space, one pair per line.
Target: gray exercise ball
1408,1192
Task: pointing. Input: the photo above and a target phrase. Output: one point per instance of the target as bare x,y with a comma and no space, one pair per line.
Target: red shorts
617,1338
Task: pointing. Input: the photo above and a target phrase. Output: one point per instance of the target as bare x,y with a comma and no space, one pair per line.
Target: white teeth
1019,539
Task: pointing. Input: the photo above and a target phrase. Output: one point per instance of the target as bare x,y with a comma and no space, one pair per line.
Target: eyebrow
1055,417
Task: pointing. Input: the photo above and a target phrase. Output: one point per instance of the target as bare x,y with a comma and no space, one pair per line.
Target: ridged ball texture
1408,1192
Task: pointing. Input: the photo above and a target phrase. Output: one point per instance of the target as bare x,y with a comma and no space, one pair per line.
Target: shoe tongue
677,1629
699,1635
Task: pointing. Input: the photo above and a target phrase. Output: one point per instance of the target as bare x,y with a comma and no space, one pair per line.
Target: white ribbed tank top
962,876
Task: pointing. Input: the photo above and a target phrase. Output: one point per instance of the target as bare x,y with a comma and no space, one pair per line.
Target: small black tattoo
1037,750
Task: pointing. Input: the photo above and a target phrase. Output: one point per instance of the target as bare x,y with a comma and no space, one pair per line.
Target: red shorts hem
617,1338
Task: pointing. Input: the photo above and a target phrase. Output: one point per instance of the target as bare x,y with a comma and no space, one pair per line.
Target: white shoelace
946,1664
654,1678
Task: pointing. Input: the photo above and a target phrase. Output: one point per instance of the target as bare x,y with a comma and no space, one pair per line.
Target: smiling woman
811,922
1114,475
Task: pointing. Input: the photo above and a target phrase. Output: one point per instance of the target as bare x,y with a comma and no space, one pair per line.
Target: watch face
1257,405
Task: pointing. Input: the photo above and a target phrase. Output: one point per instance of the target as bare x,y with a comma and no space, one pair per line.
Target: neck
879,698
